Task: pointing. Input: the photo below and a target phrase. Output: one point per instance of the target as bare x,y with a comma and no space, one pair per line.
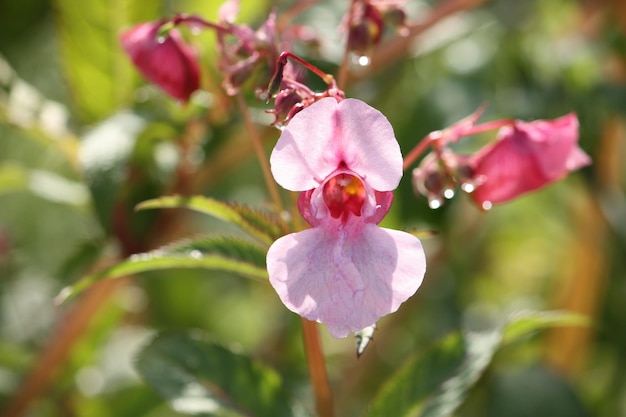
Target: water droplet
434,203
231,90
161,39
468,187
363,60
195,254
448,193
487,205
286,216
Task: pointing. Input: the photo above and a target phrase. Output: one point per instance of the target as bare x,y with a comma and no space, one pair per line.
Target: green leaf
200,377
98,73
258,224
525,323
219,254
436,382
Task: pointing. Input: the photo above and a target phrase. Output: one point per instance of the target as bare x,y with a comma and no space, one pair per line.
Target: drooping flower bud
526,157
163,58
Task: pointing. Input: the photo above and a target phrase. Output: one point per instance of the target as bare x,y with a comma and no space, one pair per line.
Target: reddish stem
420,148
317,368
443,136
327,78
342,76
197,21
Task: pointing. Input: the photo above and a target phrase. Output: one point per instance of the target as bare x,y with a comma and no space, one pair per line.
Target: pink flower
346,271
163,58
527,156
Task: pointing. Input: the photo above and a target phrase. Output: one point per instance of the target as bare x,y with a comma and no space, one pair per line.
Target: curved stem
317,368
420,148
258,149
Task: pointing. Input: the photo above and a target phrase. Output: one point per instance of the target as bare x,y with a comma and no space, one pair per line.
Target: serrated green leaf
218,254
200,377
260,225
436,382
227,246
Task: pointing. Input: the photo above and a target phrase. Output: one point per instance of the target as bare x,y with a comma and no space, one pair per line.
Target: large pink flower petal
347,280
325,134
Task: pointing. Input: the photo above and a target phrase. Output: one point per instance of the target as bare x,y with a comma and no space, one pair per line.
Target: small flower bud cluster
526,157
291,96
369,20
438,175
246,55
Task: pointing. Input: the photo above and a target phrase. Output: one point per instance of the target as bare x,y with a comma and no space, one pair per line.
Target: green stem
272,188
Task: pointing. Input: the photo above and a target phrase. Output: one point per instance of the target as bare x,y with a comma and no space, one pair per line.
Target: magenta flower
163,58
346,271
527,156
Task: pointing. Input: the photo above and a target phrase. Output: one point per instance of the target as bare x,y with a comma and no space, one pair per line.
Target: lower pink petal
347,281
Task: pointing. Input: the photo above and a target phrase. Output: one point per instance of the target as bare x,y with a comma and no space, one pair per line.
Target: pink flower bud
163,58
526,157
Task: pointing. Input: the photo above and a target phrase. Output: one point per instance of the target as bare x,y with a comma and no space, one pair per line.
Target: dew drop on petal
448,193
161,39
487,205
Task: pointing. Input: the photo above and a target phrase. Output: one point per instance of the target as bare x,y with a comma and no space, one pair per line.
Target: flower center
344,194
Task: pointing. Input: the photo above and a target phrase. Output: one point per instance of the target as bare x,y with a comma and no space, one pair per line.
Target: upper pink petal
325,134
369,145
347,281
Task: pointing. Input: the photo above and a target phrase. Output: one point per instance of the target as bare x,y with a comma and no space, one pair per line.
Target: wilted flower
368,21
346,271
163,58
527,156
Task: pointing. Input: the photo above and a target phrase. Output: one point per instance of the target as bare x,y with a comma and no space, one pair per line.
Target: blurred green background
83,139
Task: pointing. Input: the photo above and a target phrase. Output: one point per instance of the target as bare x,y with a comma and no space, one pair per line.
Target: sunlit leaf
436,382
218,254
200,377
103,155
99,75
43,184
526,323
262,226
